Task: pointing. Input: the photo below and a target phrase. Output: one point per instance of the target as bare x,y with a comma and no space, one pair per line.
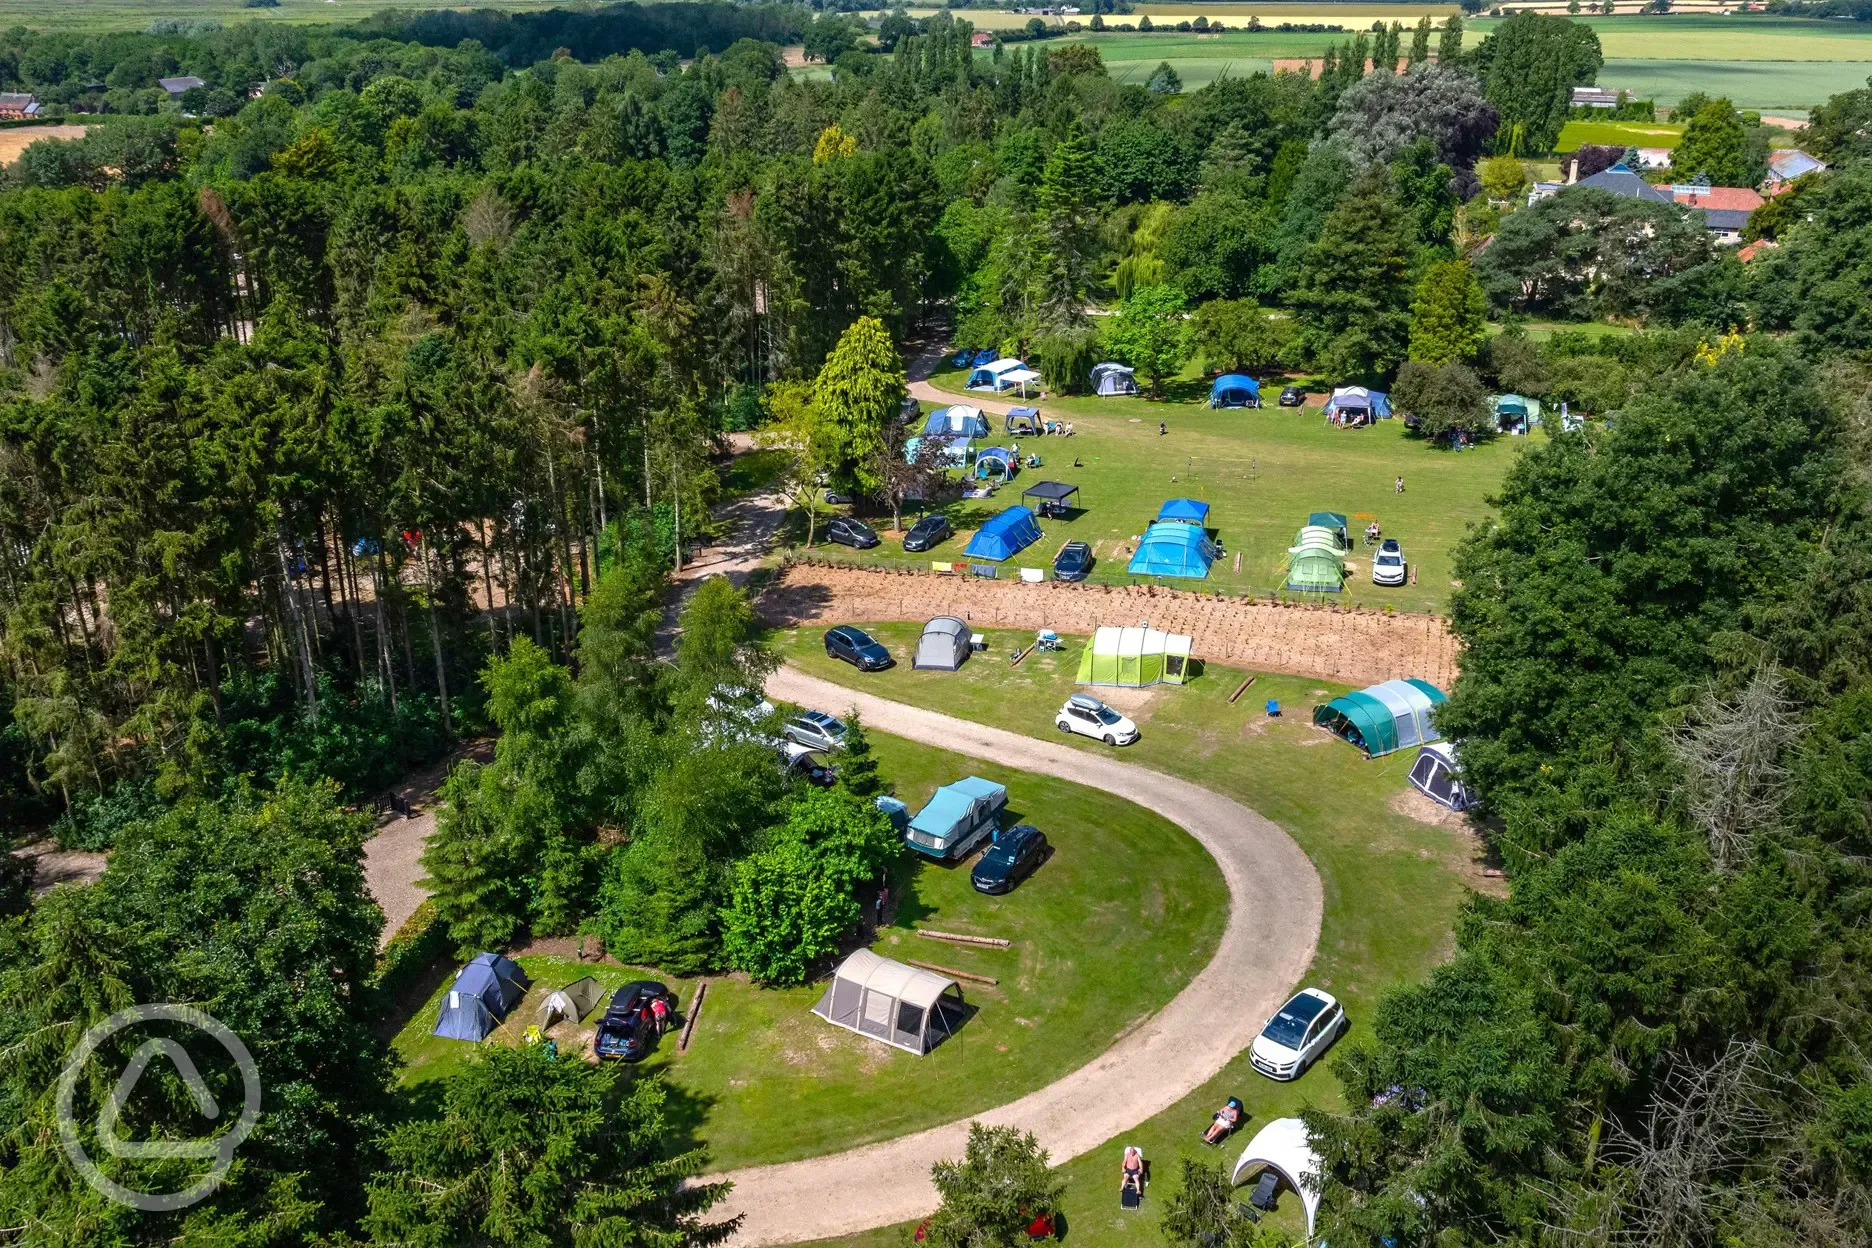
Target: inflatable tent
1173,548
1282,1146
988,376
1355,405
1111,380
1234,390
957,817
1434,776
959,421
943,646
911,1009
996,461
572,1002
1188,510
1004,536
1315,564
1135,657
1385,718
483,994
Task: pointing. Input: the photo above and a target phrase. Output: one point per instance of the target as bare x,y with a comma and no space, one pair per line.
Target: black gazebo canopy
1052,491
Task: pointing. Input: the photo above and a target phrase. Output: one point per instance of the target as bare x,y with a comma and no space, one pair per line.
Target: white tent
911,1009
1282,1146
1021,377
943,646
1434,775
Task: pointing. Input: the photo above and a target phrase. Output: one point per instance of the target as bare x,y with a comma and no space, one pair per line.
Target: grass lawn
1618,133
765,1081
1392,883
1262,471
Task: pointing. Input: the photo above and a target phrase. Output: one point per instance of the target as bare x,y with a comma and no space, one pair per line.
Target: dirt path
1273,929
1344,645
392,858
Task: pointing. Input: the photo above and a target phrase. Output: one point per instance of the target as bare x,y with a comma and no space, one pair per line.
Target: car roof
822,719
1074,546
1306,1004
1086,702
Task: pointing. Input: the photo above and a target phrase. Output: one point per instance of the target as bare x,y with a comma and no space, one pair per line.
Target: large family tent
1187,510
1004,536
1234,390
1112,380
1315,563
483,994
988,376
1385,718
1355,405
1173,548
959,421
1134,657
954,454
572,1002
1434,776
996,461
957,817
1515,414
943,646
913,1009
1281,1146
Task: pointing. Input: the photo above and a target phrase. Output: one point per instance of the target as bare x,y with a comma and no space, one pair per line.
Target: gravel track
1273,929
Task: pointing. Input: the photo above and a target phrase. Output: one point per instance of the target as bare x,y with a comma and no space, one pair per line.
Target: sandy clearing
16,140
1272,932
1349,646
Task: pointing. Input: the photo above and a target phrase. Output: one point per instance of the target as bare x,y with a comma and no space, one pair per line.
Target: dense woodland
366,400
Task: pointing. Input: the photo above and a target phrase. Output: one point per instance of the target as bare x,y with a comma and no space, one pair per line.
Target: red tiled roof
1734,198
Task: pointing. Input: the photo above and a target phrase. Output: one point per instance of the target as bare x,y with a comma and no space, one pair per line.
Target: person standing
1399,486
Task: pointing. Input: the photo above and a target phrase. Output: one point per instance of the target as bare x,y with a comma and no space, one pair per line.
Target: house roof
1789,163
1725,219
15,101
1751,250
176,86
1621,181
1739,198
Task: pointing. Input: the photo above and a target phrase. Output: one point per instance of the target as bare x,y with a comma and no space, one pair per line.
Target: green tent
1134,657
1385,718
1314,562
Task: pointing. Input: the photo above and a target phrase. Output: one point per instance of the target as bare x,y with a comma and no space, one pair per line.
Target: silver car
815,730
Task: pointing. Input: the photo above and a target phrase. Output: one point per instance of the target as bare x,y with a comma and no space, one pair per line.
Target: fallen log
957,938
1240,689
953,973
695,1012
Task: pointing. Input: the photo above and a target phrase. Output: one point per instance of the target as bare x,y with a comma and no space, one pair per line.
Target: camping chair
1273,709
1241,1113
1263,1198
1131,1193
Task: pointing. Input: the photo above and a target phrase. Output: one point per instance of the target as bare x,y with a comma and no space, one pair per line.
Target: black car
851,532
629,1029
1073,563
1292,396
1014,855
855,646
927,532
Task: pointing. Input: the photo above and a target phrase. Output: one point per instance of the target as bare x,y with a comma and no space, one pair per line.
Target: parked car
839,498
736,714
816,730
1089,717
927,532
629,1028
1292,396
808,764
849,532
855,646
1387,566
1073,563
1012,857
1298,1034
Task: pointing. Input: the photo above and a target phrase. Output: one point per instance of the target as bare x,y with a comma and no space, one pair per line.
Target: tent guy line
1275,904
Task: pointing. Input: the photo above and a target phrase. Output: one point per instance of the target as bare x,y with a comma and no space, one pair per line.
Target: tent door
1173,668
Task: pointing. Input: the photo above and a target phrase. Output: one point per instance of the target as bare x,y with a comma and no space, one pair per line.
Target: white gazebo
1282,1146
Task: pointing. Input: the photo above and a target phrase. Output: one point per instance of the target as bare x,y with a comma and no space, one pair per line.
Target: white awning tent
908,1008
1434,774
1282,1146
1022,377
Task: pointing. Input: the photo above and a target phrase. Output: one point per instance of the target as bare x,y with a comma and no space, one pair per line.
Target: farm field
1262,471
138,14
1750,84
764,1080
1394,867
1575,134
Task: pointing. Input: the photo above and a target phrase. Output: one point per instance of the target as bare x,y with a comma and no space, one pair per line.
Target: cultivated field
19,138
138,14
1609,133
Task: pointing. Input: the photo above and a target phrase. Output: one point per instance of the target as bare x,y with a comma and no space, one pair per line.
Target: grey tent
1113,379
483,994
572,1002
900,1005
943,646
1434,775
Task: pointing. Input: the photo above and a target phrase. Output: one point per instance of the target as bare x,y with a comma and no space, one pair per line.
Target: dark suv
849,532
1014,855
1073,562
855,646
927,532
629,1028
1292,396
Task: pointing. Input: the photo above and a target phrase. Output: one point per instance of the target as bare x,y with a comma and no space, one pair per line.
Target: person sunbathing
1133,1171
1226,1120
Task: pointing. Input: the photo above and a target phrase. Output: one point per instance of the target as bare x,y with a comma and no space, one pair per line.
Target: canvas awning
1282,1145
1188,510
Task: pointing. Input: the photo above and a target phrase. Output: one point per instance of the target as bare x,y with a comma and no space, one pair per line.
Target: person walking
1161,430
1399,487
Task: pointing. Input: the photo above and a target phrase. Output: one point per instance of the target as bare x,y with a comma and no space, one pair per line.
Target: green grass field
764,1080
1793,85
1262,471
1627,133
1392,883
138,14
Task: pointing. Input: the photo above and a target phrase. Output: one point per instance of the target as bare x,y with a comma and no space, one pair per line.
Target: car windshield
861,640
1289,1026
831,727
1390,559
1108,716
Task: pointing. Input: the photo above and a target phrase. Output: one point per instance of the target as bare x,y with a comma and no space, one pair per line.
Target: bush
414,948
95,820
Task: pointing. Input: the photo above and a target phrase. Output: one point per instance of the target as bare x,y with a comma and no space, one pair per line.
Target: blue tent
1234,390
1188,510
1004,536
958,421
1005,462
1173,548
1357,405
481,996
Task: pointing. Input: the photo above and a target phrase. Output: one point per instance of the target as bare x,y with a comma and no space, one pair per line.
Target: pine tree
989,1197
1352,301
1069,208
1448,315
857,766
859,391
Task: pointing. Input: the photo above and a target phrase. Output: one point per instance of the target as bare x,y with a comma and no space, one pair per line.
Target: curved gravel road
1273,928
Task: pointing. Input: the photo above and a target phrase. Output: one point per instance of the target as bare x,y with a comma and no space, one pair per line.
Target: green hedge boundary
415,947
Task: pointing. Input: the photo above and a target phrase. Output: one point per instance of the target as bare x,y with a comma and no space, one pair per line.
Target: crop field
1613,133
138,14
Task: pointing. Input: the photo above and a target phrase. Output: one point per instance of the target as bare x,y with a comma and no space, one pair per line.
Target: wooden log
1240,689
695,1012
1019,655
953,973
957,938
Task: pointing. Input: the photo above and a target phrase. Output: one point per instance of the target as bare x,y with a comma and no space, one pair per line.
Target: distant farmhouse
176,86
18,105
1787,163
1725,209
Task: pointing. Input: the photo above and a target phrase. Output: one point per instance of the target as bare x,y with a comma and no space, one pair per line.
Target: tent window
909,1023
1440,786
877,1014
1173,664
454,1000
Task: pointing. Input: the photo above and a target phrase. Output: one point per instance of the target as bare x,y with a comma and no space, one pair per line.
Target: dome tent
910,1009
483,994
943,646
1435,776
1235,390
1173,548
959,421
1111,380
1384,718
572,1002
996,461
1004,536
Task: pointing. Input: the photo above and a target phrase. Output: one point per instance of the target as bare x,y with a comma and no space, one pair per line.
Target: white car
816,729
1297,1035
1089,717
1387,566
